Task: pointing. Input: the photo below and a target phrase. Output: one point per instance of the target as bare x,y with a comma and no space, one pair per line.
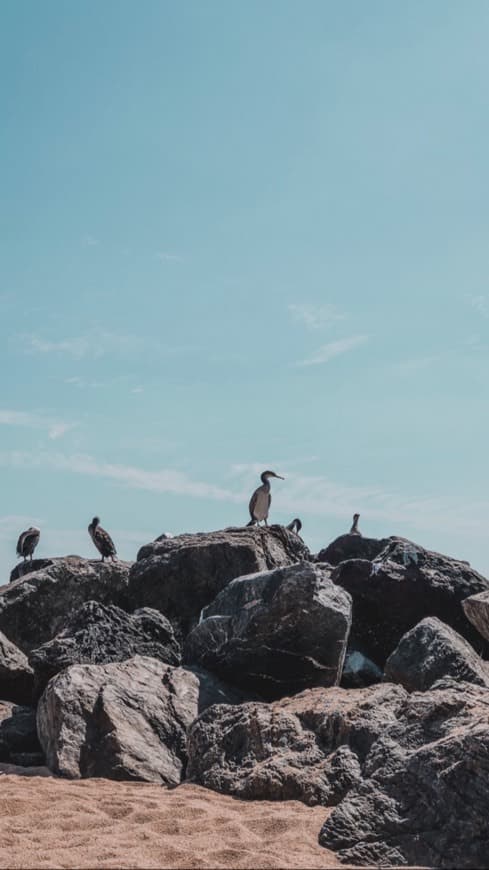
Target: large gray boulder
179,576
476,609
16,675
431,651
351,547
102,633
19,743
275,632
310,747
123,721
402,586
34,608
424,792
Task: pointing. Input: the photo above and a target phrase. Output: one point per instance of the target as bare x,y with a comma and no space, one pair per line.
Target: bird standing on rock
102,540
261,499
354,529
28,542
295,526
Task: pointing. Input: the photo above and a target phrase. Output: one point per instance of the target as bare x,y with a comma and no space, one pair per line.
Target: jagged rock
34,608
212,690
123,721
18,735
310,747
430,651
179,576
275,632
98,634
23,568
16,675
352,547
476,609
402,586
425,790
359,671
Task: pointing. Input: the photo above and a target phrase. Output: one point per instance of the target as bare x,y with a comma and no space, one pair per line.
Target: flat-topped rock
352,547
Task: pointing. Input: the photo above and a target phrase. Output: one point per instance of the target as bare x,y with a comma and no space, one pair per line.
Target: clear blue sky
239,235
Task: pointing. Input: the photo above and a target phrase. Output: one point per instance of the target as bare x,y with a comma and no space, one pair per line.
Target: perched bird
261,499
28,542
102,540
295,526
354,529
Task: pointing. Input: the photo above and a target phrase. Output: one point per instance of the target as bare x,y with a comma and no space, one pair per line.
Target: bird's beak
280,477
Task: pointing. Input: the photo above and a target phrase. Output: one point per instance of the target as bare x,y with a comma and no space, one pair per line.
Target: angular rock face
352,547
275,632
402,586
123,721
99,634
425,791
179,576
34,608
476,609
18,735
430,652
16,675
310,747
23,568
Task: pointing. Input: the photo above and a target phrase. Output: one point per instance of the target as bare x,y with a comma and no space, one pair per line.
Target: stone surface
16,675
275,632
34,608
179,576
425,791
402,586
123,721
351,547
359,671
476,609
23,568
99,634
431,651
310,747
18,735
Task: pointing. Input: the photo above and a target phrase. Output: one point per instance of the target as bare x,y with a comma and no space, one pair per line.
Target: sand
47,822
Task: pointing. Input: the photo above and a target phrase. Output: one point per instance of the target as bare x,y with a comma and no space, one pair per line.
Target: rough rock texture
425,791
124,721
431,651
16,675
23,568
275,632
98,634
402,586
33,609
179,576
352,547
18,736
308,748
212,690
476,609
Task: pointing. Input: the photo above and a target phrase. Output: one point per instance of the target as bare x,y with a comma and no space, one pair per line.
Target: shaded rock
34,608
425,790
98,634
352,547
359,671
310,747
123,721
430,651
23,568
16,675
476,609
179,576
402,586
212,690
19,743
275,632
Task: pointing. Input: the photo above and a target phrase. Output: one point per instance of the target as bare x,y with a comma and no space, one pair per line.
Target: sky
238,236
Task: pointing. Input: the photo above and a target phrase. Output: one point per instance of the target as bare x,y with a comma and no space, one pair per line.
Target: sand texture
46,822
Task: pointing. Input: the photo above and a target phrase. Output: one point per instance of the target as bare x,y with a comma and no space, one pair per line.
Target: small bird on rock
295,526
28,542
261,499
354,529
102,540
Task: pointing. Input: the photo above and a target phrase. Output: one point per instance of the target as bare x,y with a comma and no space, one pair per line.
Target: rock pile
354,679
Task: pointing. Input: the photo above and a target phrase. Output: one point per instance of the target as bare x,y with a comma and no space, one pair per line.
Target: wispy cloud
334,348
94,344
480,304
55,428
315,317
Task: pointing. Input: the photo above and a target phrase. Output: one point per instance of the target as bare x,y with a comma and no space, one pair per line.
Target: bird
261,498
28,542
295,526
102,540
354,529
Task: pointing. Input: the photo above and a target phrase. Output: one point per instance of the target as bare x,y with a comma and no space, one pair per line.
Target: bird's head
356,517
267,474
96,522
298,524
35,529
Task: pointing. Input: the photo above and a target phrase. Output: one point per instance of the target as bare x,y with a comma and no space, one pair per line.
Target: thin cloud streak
334,348
315,317
55,428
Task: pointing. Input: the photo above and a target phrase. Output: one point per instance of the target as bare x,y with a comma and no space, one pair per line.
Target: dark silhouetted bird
295,526
102,540
261,499
28,542
354,529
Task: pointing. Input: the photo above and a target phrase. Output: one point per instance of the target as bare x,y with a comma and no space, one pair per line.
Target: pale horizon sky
239,236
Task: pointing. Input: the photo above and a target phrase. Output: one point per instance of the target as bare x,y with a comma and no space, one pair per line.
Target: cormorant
354,529
28,542
261,498
295,526
102,540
